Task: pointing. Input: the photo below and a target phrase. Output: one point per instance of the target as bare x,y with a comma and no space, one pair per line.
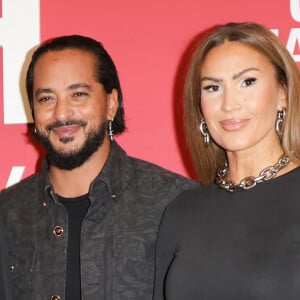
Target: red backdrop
150,42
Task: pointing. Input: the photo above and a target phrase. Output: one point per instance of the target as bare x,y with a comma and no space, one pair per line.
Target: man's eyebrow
43,90
74,86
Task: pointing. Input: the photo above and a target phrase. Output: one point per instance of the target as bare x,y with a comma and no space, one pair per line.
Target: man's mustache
65,123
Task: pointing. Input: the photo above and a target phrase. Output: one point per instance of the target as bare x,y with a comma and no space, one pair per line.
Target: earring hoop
204,132
279,121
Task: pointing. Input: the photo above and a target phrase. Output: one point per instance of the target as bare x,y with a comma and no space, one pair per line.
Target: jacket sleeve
5,289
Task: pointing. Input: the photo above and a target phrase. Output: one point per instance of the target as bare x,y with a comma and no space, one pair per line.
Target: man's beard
74,158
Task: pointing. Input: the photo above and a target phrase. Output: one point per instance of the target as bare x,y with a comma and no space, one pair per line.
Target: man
85,226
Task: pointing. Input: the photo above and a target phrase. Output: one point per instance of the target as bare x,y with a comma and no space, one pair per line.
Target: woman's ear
282,98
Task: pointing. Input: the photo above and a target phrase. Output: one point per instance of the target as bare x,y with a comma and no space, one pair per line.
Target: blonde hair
208,160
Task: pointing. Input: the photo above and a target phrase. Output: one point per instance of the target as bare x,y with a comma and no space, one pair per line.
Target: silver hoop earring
110,130
204,132
279,121
35,130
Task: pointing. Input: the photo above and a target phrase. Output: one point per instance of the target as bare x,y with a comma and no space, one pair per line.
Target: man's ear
112,104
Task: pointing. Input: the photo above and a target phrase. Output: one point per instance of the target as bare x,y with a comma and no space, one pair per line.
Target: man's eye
80,94
248,81
211,88
44,99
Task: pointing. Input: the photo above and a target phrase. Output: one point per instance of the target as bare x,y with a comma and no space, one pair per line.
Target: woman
239,236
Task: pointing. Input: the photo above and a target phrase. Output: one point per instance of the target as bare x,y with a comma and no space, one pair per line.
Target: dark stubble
75,158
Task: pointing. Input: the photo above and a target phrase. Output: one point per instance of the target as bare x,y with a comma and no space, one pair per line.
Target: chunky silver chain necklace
250,181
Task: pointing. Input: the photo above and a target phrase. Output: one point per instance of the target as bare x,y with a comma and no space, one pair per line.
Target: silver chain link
250,181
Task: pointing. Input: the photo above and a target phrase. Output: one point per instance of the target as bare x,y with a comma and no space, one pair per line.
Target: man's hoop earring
279,121
110,130
204,132
35,130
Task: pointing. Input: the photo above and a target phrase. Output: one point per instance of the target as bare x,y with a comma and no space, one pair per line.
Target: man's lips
66,130
233,124
67,123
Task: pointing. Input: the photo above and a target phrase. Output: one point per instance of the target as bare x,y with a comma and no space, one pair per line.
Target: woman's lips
233,124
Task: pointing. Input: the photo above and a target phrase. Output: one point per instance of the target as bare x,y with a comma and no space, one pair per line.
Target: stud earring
279,121
204,132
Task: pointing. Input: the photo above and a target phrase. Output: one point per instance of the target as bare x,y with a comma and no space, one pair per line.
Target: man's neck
76,182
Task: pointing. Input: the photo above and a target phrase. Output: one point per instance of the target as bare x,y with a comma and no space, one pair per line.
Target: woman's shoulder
191,200
187,211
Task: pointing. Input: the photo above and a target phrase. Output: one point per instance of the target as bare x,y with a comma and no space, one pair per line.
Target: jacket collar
115,174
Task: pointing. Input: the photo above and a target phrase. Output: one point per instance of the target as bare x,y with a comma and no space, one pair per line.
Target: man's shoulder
152,187
148,172
20,190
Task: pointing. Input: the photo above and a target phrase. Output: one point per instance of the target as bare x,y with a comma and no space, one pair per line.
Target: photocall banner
150,42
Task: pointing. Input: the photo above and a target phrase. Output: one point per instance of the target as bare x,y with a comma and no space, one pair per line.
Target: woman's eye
248,81
211,88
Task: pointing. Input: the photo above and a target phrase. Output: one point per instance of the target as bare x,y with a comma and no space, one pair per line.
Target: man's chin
65,162
66,154
67,150
66,140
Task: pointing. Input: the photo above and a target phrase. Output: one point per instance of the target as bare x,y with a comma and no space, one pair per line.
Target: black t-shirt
77,209
217,245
